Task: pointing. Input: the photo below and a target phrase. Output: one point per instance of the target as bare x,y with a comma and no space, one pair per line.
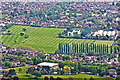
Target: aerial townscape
60,40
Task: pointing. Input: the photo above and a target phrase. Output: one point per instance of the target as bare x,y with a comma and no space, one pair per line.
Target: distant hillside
46,38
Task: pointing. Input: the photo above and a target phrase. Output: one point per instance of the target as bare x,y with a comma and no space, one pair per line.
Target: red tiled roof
34,66
55,67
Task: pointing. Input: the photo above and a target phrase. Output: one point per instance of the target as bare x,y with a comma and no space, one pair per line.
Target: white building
47,64
113,33
100,32
105,33
2,24
117,19
95,33
109,33
73,32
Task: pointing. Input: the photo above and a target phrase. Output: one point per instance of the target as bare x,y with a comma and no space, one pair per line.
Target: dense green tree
79,67
111,49
46,78
58,71
91,49
91,78
8,64
41,55
34,59
22,34
37,73
61,64
31,70
67,69
26,36
117,78
76,68
24,29
23,64
12,72
118,71
79,48
60,47
66,57
15,78
51,78
115,50
107,49
85,78
20,70
23,59
93,70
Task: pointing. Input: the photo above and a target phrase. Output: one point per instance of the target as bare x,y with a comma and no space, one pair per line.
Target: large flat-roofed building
47,64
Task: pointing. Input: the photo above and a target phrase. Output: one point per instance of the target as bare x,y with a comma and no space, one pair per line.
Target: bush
59,78
21,34
23,64
20,70
24,29
51,78
8,64
46,78
26,36
37,73
91,78
15,78
11,72
117,78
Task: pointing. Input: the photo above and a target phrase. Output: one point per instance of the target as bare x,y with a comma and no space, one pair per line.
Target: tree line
90,49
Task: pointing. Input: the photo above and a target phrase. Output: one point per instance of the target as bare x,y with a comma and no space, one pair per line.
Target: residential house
73,32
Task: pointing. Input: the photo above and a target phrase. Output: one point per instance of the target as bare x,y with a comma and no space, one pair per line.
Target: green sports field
72,76
39,37
64,77
17,69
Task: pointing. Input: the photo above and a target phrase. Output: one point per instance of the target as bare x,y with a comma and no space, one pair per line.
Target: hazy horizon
62,0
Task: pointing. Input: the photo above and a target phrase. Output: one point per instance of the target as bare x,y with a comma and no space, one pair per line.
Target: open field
64,77
46,38
2,16
103,42
72,76
17,69
24,76
78,77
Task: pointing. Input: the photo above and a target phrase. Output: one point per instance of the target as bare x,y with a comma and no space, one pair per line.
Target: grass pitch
39,37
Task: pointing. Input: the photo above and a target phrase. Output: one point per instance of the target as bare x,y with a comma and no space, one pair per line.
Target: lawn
17,69
24,76
2,16
72,76
78,77
104,42
39,37
65,77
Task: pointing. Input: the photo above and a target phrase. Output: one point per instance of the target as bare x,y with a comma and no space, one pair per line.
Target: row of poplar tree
86,48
